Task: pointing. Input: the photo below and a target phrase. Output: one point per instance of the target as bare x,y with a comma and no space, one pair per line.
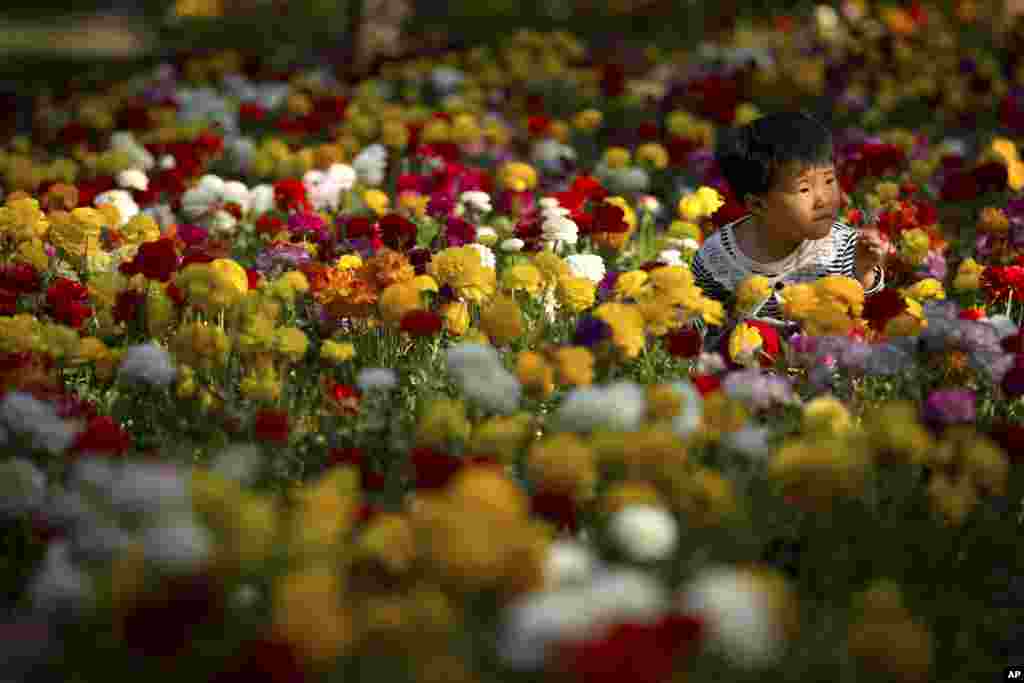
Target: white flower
124,141
239,462
568,562
59,582
150,489
99,540
560,229
201,198
750,440
625,594
325,187
477,201
168,162
691,408
235,192
376,379
123,200
479,372
486,235
1003,325
133,179
38,421
709,362
644,532
148,364
634,179
590,266
486,255
261,199
22,486
671,257
691,244
738,614
221,223
617,407
539,620
446,79
177,544
549,203
552,156
512,245
371,163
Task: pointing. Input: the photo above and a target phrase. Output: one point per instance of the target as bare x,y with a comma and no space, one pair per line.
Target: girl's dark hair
752,155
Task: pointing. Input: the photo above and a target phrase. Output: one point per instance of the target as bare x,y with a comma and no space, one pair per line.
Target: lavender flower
281,256
758,389
950,406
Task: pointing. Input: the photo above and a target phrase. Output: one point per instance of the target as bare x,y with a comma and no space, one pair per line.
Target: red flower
971,314
21,278
613,80
175,294
684,343
999,282
88,189
959,186
156,260
343,398
67,299
290,195
637,652
359,228
372,481
538,125
270,224
264,660
433,469
126,306
251,112
103,435
590,187
397,232
8,302
1010,437
253,277
609,218
883,306
991,176
272,425
556,507
421,323
770,344
707,384
648,130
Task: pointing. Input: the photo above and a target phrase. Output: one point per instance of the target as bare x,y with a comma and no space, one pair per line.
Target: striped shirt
719,266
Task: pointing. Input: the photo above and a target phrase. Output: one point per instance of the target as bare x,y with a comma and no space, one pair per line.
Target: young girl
782,168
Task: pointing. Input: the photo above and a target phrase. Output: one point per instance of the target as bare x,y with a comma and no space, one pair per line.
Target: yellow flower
337,352
745,343
502,320
534,373
443,421
309,614
627,323
622,494
588,120
842,293
349,262
752,292
814,472
659,315
456,317
214,286
993,221
21,219
684,230
503,435
574,365
914,246
700,204
394,134
909,323
926,289
576,294
552,267
968,276
517,176
291,342
524,277
461,269
34,253
798,301
141,228
397,300
77,232
563,462
616,157
377,201
826,415
630,285
746,113
262,384
201,345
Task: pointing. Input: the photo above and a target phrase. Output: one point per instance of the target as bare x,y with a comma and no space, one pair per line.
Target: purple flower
440,205
419,258
591,331
950,406
1013,381
281,256
607,284
936,265
192,235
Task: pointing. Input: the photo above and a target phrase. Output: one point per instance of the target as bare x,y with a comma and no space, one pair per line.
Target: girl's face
803,205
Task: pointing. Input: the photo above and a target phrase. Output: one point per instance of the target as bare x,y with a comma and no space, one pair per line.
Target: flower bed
404,380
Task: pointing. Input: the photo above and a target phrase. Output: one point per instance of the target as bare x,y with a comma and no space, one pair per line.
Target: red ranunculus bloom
421,323
102,435
684,343
126,306
609,218
639,652
272,425
397,232
706,384
156,260
999,282
21,278
556,507
290,195
883,306
433,469
68,301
